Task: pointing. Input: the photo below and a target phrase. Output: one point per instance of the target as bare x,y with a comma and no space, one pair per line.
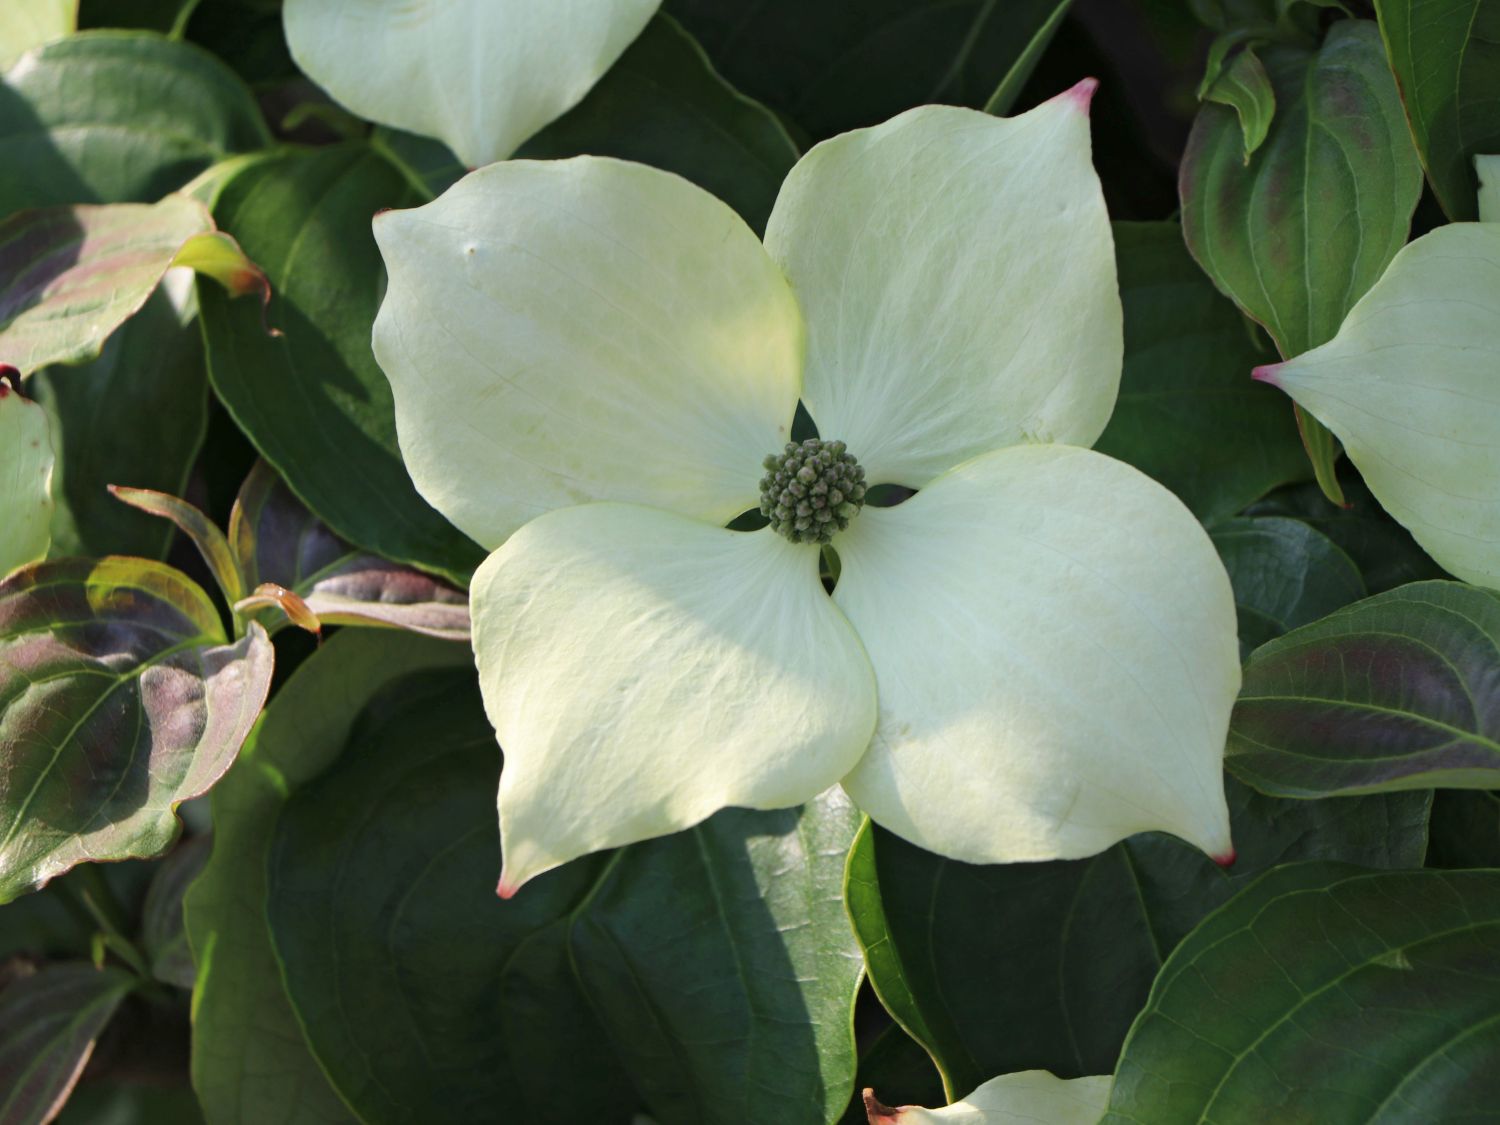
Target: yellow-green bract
25,481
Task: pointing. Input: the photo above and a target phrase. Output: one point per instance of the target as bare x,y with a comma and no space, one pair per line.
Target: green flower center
811,490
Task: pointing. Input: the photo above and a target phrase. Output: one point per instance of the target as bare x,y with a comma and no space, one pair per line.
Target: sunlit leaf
120,698
26,465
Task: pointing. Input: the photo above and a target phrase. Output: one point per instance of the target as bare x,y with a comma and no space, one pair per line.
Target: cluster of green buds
811,490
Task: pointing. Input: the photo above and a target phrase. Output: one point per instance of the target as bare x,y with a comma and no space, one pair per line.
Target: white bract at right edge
480,75
595,367
1411,386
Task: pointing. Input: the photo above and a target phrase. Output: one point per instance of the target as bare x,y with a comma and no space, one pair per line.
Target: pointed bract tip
506,889
1226,859
877,1113
1268,373
1081,95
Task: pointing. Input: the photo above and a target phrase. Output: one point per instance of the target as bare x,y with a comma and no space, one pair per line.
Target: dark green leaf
1246,88
1189,414
1285,574
1400,691
276,540
1300,232
1446,57
663,104
1326,994
250,1063
313,400
710,973
136,415
162,931
118,117
1384,551
832,67
1004,98
1044,965
120,697
49,1022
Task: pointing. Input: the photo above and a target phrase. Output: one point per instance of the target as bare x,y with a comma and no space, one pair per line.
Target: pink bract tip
506,890
876,1112
1081,95
1227,859
1268,373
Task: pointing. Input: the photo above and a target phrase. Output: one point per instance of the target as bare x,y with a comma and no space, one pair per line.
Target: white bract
1028,1097
1411,387
479,75
26,460
1030,659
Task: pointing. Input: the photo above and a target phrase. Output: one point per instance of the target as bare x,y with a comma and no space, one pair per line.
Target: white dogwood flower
480,75
596,367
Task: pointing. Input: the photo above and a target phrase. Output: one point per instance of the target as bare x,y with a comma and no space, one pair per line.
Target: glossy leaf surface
274,539
663,104
1333,994
1013,967
1188,414
117,117
312,399
250,1063
49,1022
1400,691
120,697
716,964
1446,57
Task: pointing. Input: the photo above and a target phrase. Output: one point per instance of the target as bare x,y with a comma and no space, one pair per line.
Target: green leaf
1004,98
1044,965
833,67
1246,88
250,1063
26,463
1400,691
1326,994
895,1064
1446,58
710,973
663,104
1189,414
32,23
1284,573
120,698
69,276
1384,551
162,931
312,399
117,117
277,542
1300,232
107,425
200,530
49,1022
